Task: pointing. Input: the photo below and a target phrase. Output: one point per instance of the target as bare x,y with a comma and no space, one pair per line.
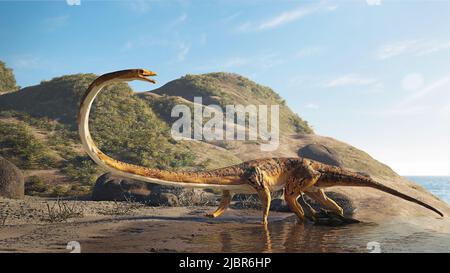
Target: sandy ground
30,226
127,227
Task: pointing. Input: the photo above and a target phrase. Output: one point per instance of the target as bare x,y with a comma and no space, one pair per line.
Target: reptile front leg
257,179
265,196
224,203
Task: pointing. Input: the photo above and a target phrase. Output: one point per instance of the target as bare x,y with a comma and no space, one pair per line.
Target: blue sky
375,74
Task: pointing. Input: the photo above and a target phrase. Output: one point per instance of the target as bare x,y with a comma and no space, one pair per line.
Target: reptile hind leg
291,200
326,201
224,203
302,179
311,210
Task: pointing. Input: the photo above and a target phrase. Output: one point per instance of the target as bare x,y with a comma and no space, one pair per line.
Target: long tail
207,179
344,178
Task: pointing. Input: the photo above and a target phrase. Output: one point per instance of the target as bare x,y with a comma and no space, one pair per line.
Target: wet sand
187,230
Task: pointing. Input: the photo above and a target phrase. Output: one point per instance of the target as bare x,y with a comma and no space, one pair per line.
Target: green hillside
225,89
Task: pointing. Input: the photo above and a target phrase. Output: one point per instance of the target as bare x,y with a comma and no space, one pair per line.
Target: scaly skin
263,176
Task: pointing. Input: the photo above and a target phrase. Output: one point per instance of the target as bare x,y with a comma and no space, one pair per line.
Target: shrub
19,145
81,169
35,185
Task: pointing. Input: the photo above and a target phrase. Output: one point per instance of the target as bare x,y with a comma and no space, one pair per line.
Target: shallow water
288,236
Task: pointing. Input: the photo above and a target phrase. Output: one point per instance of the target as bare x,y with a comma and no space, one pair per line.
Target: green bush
18,144
59,191
35,185
7,79
81,169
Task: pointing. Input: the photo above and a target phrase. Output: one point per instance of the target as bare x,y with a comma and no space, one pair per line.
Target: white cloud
183,50
373,2
350,79
231,17
284,18
432,99
179,20
411,47
441,85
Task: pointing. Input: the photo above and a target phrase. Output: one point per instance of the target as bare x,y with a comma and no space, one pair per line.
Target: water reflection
288,236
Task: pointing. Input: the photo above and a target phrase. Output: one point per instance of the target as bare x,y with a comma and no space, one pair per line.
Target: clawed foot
210,215
332,218
311,217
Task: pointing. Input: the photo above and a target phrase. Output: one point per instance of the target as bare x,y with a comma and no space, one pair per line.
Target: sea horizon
436,184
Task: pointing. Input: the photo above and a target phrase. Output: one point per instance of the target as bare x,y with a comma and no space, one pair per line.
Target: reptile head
143,75
131,75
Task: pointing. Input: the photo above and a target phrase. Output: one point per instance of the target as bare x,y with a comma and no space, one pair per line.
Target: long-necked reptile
263,176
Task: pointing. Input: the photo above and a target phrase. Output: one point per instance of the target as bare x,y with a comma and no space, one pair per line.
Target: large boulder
320,153
109,187
11,180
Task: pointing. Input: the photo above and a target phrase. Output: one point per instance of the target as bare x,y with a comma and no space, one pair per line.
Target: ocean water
437,185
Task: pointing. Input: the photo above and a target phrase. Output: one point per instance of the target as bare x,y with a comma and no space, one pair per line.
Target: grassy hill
224,89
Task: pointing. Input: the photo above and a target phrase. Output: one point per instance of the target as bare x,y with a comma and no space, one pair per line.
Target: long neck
170,178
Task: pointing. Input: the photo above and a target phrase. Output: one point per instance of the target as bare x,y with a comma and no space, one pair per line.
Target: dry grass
248,201
192,197
61,211
126,207
4,214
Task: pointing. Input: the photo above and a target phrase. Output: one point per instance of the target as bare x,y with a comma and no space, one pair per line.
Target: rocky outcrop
321,153
11,180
